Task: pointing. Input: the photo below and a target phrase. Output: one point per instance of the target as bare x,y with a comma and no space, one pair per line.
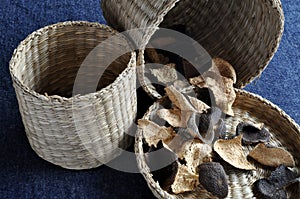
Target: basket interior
248,108
245,33
50,59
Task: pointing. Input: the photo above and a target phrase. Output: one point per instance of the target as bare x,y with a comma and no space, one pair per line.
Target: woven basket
74,132
245,33
249,108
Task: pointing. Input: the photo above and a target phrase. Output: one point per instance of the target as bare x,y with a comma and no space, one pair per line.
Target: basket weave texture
74,132
246,33
248,108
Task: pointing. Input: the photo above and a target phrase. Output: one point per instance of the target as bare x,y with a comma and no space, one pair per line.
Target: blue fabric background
24,175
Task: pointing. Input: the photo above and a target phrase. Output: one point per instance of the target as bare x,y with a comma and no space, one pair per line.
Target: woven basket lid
246,33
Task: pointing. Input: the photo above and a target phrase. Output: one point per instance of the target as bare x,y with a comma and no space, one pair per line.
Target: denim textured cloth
24,175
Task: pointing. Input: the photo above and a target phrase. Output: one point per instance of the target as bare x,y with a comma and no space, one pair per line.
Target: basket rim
57,98
159,192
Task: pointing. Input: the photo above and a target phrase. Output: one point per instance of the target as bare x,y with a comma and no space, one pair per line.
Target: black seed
162,156
213,178
251,134
273,187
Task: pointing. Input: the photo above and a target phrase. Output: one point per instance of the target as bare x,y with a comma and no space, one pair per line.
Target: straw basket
248,108
74,131
245,33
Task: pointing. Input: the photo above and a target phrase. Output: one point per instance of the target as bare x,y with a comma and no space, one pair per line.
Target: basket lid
245,33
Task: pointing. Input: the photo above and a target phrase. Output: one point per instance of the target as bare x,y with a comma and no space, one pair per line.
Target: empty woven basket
245,33
90,128
248,108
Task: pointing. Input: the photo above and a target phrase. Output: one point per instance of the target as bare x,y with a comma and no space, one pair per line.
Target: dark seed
273,187
252,134
158,157
213,178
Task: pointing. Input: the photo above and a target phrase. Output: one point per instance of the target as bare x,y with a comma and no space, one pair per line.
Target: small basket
246,33
81,131
248,108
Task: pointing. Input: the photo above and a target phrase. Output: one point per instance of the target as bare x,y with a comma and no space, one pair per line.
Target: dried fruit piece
196,154
172,116
224,68
232,152
153,133
182,86
272,157
159,156
179,100
192,126
213,178
224,93
253,133
273,187
199,105
166,74
206,126
185,180
198,81
221,87
179,142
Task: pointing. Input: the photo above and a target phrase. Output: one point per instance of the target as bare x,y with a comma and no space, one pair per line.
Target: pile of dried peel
194,132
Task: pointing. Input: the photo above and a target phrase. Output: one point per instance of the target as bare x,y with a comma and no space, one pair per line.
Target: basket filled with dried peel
205,137
208,141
